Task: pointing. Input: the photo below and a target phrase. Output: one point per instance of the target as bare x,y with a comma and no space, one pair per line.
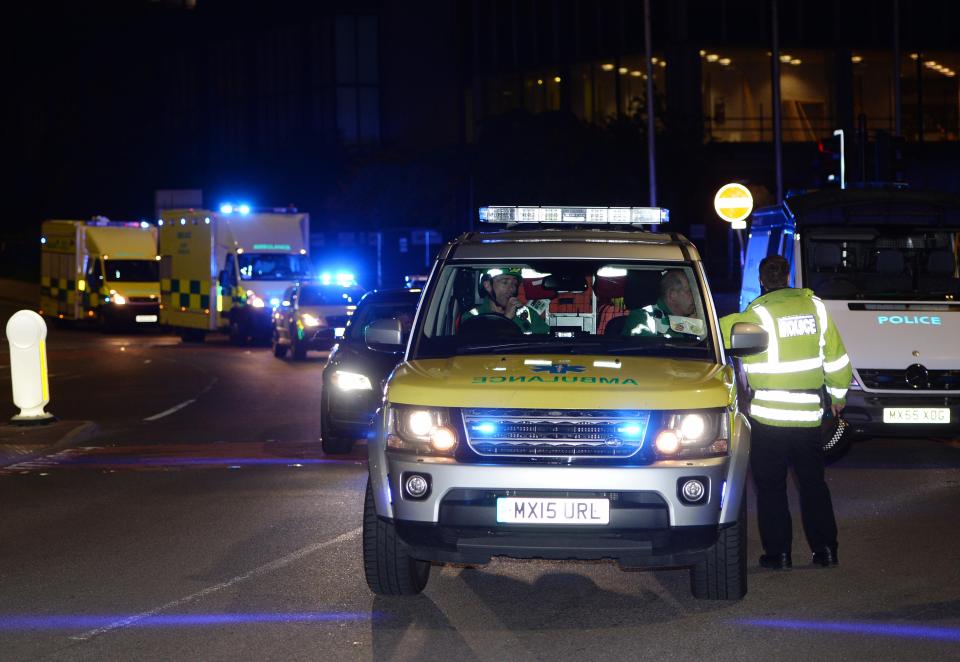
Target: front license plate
146,318
916,415
537,510
338,331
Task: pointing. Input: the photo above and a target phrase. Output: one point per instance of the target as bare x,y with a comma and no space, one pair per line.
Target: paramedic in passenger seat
674,315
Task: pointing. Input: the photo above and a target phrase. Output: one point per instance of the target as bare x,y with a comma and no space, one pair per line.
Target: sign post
733,204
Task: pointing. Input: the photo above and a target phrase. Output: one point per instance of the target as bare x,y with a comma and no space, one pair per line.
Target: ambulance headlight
420,430
117,298
255,300
309,320
700,433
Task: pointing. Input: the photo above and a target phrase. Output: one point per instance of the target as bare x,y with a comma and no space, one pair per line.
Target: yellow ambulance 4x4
565,394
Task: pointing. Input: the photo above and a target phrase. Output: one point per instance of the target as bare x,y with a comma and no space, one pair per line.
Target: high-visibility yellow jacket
805,352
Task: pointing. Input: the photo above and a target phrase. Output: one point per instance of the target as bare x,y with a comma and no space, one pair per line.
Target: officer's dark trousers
772,450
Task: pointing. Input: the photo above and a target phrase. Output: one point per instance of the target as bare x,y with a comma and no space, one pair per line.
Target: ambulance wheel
192,335
279,350
298,351
332,441
237,337
387,564
721,574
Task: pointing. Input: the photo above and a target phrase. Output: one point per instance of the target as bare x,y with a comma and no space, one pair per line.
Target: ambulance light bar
576,215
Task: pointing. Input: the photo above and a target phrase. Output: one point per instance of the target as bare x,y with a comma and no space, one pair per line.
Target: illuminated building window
931,83
737,95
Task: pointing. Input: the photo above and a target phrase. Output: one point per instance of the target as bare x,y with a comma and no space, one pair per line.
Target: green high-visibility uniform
657,320
805,353
525,317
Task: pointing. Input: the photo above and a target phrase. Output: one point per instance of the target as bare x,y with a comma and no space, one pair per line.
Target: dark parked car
354,375
312,316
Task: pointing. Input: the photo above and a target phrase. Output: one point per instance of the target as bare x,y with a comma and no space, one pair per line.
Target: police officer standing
805,353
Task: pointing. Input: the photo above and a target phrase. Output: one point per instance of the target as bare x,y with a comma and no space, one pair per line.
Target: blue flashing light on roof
326,278
159,221
244,209
226,208
144,224
43,240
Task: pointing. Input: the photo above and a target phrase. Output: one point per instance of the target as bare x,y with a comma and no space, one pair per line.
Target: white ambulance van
885,262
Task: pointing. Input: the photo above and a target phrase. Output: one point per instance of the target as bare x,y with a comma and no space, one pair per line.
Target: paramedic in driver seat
672,316
500,286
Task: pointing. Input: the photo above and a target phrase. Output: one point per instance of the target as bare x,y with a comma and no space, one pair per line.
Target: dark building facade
378,115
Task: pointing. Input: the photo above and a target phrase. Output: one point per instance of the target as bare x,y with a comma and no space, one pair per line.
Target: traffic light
830,164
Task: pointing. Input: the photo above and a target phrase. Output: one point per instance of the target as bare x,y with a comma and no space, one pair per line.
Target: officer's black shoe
826,557
776,561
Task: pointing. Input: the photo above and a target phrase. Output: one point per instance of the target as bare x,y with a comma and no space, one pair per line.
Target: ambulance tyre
332,441
389,568
192,335
279,350
237,336
721,574
298,351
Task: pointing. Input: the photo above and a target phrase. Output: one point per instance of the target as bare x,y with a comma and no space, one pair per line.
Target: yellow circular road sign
733,202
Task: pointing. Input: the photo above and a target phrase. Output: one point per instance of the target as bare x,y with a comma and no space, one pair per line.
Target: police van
884,260
99,270
545,409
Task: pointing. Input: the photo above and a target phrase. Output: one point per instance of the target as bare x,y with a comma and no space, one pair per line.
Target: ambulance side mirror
746,339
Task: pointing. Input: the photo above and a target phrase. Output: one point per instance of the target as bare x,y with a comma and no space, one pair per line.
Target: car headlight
254,300
309,320
350,381
420,430
117,298
697,433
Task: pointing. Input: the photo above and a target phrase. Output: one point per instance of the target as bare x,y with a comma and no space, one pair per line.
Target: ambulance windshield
565,306
888,262
272,266
131,271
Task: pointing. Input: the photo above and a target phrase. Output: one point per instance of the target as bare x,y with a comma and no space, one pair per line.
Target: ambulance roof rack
574,216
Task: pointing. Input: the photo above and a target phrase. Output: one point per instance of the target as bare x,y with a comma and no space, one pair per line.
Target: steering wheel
488,325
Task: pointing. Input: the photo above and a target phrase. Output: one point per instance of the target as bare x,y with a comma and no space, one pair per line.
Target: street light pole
775,87
651,150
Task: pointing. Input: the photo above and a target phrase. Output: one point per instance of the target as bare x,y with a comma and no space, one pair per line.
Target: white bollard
27,334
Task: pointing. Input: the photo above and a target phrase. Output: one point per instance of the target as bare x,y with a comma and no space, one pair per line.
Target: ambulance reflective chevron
884,261
225,270
100,270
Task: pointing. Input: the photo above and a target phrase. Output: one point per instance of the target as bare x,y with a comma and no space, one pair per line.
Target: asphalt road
205,523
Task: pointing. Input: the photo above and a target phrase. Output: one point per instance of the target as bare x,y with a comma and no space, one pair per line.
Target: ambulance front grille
553,433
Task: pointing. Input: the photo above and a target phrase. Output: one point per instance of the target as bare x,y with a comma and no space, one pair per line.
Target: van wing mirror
384,334
747,338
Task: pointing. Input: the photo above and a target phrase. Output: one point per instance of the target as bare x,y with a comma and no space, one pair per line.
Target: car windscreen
328,295
131,271
884,262
369,313
565,307
272,266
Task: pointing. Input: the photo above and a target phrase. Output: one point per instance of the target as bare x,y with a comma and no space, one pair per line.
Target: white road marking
256,572
176,408
172,410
